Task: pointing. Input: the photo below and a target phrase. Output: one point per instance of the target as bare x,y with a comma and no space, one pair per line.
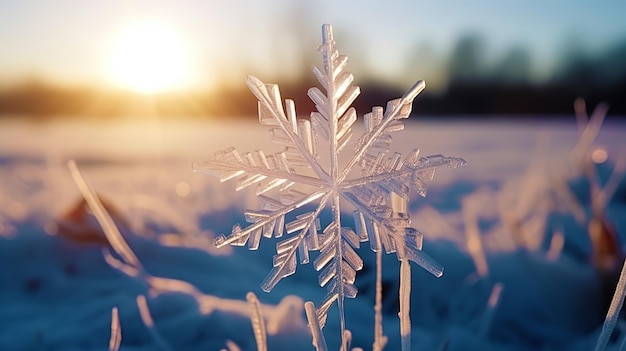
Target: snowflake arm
394,174
289,131
265,222
285,259
378,125
229,164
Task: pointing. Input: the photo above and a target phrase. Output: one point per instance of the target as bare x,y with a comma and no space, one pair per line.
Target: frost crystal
378,195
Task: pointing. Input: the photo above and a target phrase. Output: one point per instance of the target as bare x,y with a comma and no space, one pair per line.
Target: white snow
58,291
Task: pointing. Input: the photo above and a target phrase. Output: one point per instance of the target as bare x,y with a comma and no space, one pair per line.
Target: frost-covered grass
62,290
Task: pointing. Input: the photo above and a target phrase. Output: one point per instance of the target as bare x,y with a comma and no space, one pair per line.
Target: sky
71,41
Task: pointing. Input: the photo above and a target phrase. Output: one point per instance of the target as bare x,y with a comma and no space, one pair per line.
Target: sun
149,57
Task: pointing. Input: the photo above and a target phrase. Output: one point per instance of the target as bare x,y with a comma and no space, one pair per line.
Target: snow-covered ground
507,208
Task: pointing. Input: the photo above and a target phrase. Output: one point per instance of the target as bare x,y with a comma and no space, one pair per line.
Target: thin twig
116,331
104,219
613,313
146,317
405,304
314,324
380,340
258,323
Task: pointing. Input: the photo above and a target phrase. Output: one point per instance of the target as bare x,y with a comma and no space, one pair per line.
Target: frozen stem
380,340
116,331
613,313
474,243
492,305
346,340
314,324
258,323
104,219
147,320
405,304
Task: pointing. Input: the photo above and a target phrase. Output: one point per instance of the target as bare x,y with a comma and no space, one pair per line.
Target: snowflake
379,194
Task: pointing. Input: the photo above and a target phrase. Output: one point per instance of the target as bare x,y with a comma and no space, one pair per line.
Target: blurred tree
423,62
467,63
574,67
297,43
514,67
612,65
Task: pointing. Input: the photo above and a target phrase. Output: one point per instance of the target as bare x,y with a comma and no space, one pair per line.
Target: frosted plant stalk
146,318
405,305
613,313
116,331
316,329
258,323
492,305
104,219
590,128
231,346
380,340
473,239
297,178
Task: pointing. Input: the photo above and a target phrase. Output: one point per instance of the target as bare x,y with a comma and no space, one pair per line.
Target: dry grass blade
258,323
472,232
492,305
405,304
116,331
590,132
314,324
109,228
380,340
608,190
613,313
146,317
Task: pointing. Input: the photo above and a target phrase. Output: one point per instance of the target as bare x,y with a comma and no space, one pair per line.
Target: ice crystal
378,194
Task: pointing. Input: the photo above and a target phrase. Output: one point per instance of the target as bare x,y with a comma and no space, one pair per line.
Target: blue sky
67,40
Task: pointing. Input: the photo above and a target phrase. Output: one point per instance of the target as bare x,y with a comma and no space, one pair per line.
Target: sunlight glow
149,57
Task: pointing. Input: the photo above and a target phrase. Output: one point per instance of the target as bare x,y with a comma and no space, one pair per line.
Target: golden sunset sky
194,44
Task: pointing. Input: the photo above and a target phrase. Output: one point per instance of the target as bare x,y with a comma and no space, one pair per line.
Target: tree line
472,86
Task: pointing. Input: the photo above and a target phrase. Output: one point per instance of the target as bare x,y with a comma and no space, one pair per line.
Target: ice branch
259,89
366,142
238,234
